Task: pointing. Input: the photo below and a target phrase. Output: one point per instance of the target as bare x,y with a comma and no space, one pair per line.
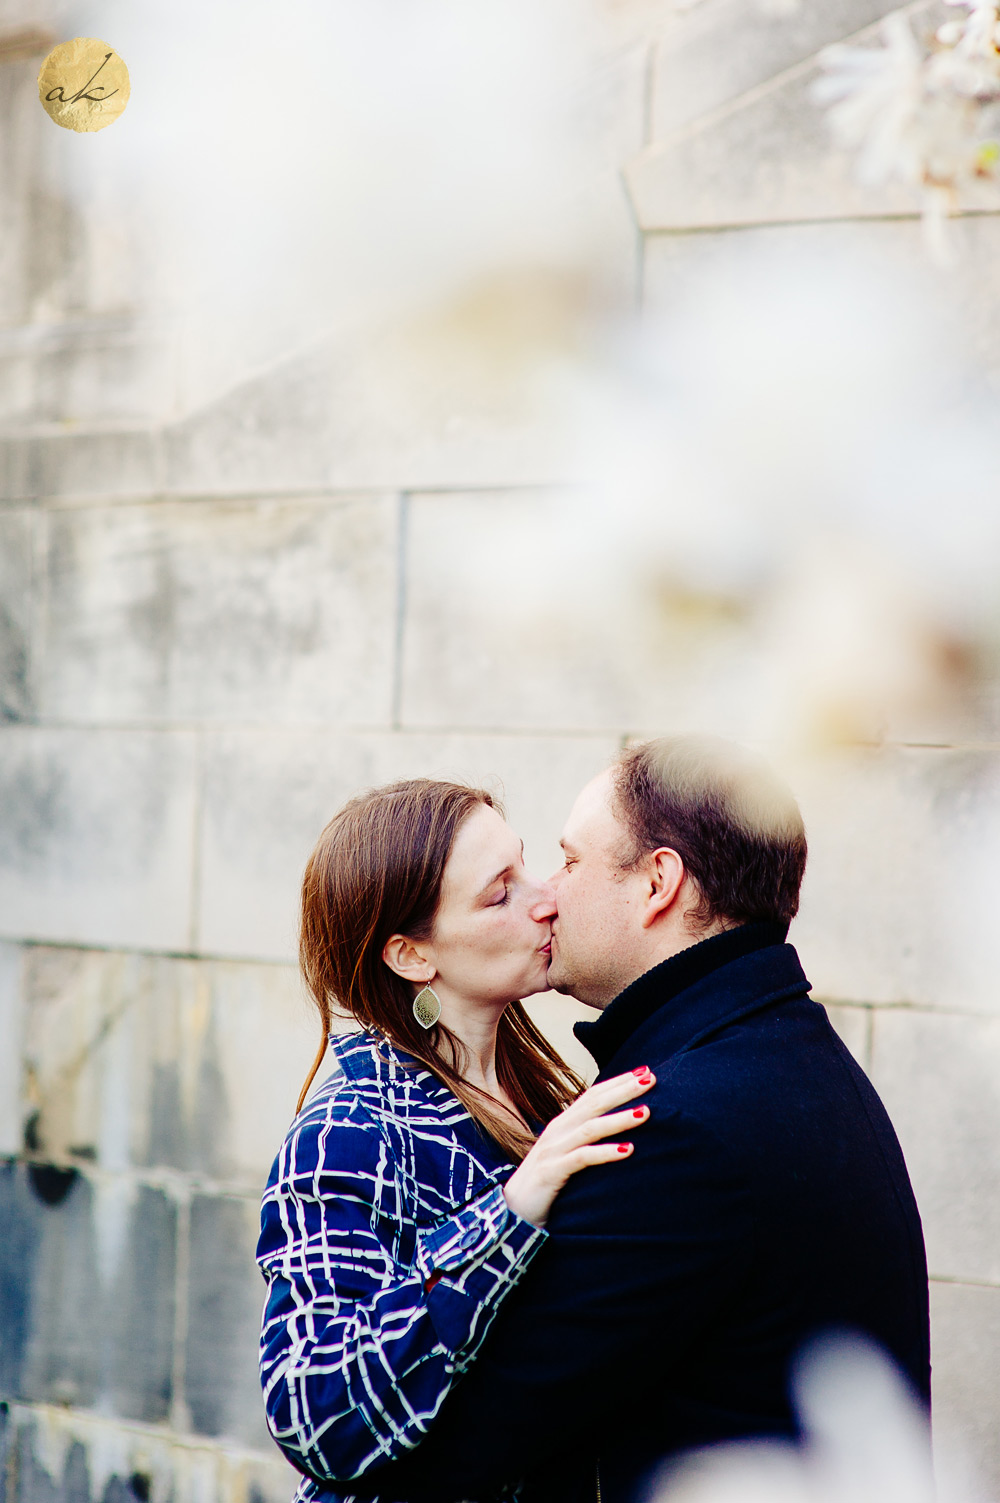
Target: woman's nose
544,905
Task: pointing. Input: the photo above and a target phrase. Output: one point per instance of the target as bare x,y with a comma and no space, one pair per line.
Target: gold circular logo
83,84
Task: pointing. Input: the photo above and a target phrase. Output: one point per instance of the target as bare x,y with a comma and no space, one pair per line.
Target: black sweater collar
658,987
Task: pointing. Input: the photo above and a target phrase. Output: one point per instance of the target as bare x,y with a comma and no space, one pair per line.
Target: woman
395,1223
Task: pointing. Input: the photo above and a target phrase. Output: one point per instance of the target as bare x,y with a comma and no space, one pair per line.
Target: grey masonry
214,626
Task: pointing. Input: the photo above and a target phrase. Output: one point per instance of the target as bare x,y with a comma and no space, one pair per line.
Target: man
766,1200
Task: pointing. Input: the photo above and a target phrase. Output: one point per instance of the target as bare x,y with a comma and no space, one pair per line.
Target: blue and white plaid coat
387,1246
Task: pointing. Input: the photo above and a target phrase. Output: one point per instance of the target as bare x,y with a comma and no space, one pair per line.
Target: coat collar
690,998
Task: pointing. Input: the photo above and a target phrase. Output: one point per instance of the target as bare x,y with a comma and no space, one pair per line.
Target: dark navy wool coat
766,1201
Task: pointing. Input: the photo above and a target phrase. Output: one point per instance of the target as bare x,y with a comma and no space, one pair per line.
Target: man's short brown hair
730,818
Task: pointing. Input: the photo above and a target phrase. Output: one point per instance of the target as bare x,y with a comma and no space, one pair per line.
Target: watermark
83,84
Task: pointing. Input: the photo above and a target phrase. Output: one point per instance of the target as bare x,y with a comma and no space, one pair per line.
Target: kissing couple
487,1281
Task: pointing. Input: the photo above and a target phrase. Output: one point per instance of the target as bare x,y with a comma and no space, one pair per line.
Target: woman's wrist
525,1201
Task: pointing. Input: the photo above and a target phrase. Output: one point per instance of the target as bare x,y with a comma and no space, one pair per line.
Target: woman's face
492,934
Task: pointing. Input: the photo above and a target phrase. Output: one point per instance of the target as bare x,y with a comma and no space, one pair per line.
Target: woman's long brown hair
377,871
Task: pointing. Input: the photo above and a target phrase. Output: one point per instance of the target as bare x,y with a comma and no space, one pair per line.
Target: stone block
939,1076
716,51
88,1290
92,370
11,1028
499,633
245,611
57,1455
609,125
225,1301
76,1008
17,585
22,1222
80,465
21,131
445,400
139,1280
900,674
854,1024
897,903
767,159
965,1353
681,268
268,796
96,836
154,1062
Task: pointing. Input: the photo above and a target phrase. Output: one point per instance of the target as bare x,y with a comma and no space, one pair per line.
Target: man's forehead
591,815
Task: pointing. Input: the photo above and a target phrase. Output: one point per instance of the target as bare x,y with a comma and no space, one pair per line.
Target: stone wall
215,627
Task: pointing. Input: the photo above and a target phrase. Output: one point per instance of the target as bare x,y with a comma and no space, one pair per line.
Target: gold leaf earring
427,1007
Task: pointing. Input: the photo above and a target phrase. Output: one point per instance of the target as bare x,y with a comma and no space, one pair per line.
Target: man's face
597,927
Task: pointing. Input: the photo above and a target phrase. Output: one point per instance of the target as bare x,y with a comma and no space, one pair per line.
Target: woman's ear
666,877
402,956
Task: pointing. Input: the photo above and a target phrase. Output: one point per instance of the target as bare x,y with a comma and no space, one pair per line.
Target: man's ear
403,956
666,878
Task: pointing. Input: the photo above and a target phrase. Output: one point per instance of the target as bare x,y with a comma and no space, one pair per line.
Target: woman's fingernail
639,1111
641,1070
624,1147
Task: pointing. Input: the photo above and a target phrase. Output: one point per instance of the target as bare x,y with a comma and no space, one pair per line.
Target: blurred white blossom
865,1441
784,528
920,112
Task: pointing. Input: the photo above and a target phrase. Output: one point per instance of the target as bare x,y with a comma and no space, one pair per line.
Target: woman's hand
573,1140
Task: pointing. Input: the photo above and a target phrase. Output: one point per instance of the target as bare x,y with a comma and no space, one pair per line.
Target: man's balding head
682,837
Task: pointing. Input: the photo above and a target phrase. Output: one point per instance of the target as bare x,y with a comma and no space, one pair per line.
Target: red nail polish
641,1070
640,1111
624,1147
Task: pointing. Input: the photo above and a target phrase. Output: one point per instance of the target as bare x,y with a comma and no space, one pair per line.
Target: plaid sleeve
367,1325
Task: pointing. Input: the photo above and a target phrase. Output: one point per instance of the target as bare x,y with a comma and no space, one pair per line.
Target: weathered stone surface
418,405
268,796
183,1073
965,1353
224,1308
138,1284
718,50
88,370
88,1290
22,1220
17,583
60,1455
96,836
939,1077
11,1034
854,1024
491,638
610,116
245,611
22,133
765,160
100,463
897,904
138,1061
680,268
